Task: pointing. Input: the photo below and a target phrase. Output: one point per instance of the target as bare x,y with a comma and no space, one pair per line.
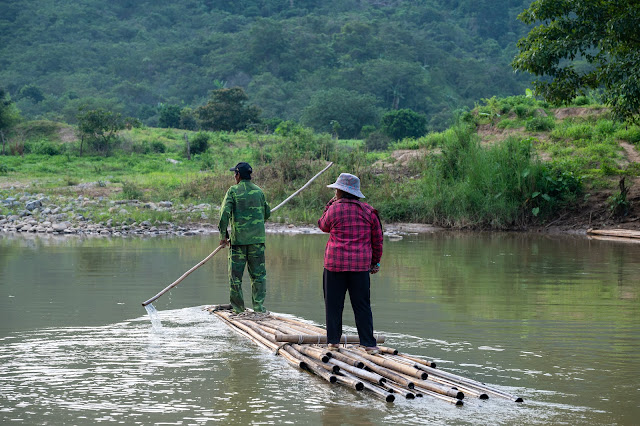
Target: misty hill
433,56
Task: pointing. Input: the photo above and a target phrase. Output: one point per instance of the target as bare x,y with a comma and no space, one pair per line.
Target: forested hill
432,56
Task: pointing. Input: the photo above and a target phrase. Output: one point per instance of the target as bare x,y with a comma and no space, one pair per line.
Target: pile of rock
37,213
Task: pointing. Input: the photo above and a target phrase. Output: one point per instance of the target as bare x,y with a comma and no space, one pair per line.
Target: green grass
459,183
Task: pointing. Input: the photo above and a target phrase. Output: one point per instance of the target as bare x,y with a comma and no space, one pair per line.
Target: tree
350,109
169,116
100,126
226,110
604,33
9,116
32,92
403,123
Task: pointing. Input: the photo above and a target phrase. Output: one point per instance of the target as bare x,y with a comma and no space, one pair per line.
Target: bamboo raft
385,375
615,234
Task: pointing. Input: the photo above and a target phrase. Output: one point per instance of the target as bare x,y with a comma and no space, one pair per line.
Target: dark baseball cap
242,168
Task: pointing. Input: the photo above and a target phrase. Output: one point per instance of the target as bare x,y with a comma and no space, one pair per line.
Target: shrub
199,143
367,130
131,191
207,162
42,148
141,148
581,100
630,134
377,141
271,124
403,123
540,124
523,111
169,116
158,147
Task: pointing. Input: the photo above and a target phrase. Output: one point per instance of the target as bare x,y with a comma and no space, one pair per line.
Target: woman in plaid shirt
353,252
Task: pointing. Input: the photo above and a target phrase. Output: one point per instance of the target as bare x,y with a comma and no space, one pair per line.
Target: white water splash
155,318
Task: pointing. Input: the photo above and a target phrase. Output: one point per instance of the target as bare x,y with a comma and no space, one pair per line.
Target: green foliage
287,128
169,116
188,119
431,56
377,141
32,92
470,185
9,116
403,123
540,124
629,134
131,191
227,111
44,148
599,33
199,143
618,203
350,109
573,131
101,126
158,146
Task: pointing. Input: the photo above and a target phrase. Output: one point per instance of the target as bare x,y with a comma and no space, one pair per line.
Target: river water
553,319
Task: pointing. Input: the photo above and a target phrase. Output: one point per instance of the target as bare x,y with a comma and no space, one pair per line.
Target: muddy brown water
553,319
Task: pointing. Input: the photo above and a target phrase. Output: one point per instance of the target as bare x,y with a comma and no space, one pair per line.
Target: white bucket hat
348,183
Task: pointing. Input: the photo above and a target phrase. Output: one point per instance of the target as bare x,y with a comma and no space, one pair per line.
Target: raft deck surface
385,375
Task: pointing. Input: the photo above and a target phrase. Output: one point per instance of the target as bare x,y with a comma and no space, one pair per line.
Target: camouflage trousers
251,255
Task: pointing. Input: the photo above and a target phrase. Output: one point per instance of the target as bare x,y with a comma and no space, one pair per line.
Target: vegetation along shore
514,163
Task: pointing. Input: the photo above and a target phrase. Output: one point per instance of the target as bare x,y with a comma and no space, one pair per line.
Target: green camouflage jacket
245,208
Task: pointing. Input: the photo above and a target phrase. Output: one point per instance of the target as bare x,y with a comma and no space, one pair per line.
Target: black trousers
358,284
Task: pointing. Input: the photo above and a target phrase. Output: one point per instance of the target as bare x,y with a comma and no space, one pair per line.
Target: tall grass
469,186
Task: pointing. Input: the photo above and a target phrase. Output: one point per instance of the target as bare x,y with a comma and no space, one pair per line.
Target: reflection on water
555,320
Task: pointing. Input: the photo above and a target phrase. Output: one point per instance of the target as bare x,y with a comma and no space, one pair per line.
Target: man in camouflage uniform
245,208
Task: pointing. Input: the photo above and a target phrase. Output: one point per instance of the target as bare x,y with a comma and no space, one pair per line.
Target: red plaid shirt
355,235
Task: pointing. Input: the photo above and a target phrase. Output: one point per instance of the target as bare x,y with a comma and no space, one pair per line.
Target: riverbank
100,216
513,165
39,214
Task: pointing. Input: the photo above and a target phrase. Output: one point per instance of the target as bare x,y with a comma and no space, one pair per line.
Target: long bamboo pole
394,365
213,253
301,189
436,395
418,360
316,329
358,372
387,396
385,372
346,359
182,277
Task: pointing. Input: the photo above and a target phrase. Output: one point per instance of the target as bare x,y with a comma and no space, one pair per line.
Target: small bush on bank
158,147
540,124
199,143
630,134
43,148
377,141
131,191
